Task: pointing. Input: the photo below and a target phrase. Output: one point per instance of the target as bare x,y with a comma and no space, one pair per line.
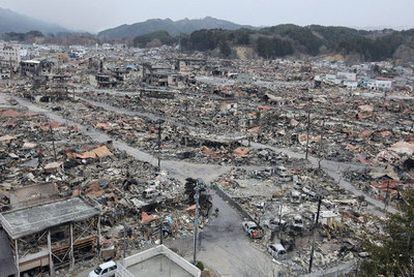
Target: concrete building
159,261
10,55
346,76
159,75
30,68
346,79
379,84
351,84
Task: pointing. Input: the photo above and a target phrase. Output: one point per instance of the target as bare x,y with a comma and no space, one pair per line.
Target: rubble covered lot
53,160
287,207
314,153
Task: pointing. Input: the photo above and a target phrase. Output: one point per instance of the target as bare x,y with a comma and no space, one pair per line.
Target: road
225,247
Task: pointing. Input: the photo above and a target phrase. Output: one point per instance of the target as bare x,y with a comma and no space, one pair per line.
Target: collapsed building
51,235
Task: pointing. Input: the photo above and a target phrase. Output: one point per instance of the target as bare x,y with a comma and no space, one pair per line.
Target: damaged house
48,235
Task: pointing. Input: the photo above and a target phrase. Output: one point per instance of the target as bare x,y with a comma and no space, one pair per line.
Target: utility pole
307,135
53,141
280,209
159,136
159,122
321,144
196,218
387,197
125,240
161,231
313,233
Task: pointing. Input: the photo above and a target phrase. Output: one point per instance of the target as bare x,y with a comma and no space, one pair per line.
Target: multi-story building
10,55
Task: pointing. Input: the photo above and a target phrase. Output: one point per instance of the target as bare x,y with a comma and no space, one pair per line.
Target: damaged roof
22,222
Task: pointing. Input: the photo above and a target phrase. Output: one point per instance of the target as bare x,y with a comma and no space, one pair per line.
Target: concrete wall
226,197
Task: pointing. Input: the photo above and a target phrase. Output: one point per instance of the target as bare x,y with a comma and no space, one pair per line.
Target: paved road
225,246
333,168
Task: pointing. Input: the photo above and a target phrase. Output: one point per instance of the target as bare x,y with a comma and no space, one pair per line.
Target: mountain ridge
11,21
174,28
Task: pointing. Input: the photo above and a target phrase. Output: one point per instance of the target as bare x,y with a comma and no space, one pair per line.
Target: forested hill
283,40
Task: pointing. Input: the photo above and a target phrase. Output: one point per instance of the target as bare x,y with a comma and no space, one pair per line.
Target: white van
107,269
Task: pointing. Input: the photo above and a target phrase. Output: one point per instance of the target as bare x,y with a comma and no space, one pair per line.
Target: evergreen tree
392,254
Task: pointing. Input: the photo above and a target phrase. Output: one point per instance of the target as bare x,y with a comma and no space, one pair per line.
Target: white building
158,261
330,78
10,54
346,79
351,84
346,76
379,84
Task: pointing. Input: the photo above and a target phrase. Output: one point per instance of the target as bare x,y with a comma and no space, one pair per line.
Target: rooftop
31,61
158,262
22,222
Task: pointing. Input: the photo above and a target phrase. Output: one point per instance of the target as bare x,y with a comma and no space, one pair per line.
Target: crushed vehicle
252,230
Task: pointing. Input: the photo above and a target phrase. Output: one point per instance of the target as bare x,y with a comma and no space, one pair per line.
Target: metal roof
22,222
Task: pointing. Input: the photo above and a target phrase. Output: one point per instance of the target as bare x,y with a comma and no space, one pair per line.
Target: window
98,270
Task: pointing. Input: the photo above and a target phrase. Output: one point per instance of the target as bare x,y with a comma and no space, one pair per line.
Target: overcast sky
96,15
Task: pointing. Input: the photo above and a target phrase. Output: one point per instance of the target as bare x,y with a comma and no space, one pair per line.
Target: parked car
276,250
252,229
107,269
283,173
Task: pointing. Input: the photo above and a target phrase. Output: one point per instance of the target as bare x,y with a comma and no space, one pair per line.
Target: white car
276,250
107,269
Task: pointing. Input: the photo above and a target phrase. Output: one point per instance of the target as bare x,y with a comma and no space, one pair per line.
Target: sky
97,15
